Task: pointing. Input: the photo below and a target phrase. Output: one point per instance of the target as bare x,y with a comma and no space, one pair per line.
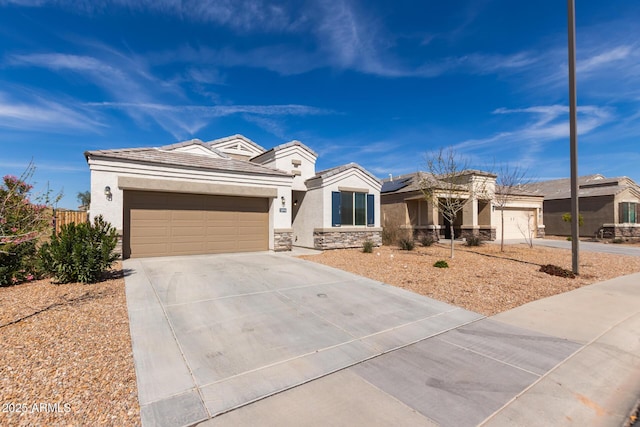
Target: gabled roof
284,146
172,158
589,186
193,142
221,142
339,169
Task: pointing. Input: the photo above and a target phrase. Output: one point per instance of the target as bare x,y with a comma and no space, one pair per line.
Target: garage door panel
161,224
517,223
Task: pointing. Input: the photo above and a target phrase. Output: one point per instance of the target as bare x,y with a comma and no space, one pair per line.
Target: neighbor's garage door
161,224
517,223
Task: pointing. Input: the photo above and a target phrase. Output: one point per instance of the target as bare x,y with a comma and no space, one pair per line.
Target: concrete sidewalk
596,383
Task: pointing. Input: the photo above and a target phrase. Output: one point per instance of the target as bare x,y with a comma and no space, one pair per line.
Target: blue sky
375,82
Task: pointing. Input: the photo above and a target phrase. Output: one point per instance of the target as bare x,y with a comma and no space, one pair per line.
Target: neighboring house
609,206
231,195
403,205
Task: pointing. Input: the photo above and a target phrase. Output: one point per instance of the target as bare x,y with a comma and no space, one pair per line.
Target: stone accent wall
433,232
540,232
626,231
485,233
282,241
345,239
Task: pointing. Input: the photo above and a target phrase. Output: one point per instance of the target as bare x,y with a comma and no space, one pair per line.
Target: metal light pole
573,136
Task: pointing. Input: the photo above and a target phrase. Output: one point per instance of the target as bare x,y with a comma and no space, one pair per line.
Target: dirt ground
481,279
66,355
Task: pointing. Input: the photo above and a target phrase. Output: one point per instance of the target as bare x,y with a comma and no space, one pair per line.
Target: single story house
231,195
609,206
403,206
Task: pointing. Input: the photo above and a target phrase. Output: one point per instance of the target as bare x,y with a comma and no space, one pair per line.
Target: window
628,212
352,208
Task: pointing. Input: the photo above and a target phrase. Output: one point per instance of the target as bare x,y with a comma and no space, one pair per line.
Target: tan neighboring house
403,205
609,206
231,195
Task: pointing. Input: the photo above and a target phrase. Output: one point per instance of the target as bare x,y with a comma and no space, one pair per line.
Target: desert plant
473,241
406,243
81,252
426,240
441,264
24,219
618,240
390,234
569,238
367,247
554,270
567,218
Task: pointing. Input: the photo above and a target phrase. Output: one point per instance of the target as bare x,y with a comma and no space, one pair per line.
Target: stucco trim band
175,186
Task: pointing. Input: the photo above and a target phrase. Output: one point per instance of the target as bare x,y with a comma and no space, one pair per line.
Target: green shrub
441,264
569,238
17,263
81,253
426,240
473,241
406,243
367,247
617,240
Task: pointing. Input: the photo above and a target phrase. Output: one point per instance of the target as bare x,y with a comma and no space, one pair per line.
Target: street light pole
573,136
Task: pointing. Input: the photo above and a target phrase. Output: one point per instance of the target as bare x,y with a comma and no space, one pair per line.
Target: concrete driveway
214,333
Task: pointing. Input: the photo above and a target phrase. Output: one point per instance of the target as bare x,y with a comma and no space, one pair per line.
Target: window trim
336,208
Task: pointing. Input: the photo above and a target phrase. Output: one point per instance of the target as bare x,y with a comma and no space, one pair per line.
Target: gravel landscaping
66,355
66,349
481,279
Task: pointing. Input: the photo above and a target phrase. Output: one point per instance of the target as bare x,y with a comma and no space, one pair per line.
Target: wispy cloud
240,15
543,124
45,115
186,120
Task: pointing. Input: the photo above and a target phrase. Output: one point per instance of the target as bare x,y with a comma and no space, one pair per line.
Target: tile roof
338,169
286,145
231,138
589,186
184,160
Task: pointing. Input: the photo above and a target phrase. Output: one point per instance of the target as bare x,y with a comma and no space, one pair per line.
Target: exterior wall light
282,200
107,192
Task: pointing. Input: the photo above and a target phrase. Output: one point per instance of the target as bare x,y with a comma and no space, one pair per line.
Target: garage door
162,224
517,223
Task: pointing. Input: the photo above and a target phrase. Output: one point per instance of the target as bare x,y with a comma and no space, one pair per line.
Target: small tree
507,184
22,223
84,198
567,218
447,186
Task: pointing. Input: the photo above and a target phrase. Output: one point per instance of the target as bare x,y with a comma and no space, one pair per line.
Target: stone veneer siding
628,231
485,233
345,239
282,241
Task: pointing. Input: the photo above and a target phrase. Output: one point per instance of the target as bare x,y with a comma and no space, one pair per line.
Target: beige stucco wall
111,173
286,159
352,180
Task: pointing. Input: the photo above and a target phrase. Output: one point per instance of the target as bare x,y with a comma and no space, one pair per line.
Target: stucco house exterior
403,205
609,206
231,195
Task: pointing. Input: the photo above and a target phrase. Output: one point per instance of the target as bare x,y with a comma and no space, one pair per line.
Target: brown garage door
161,224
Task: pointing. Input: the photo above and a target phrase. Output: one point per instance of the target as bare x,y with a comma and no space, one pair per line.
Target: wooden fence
67,217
